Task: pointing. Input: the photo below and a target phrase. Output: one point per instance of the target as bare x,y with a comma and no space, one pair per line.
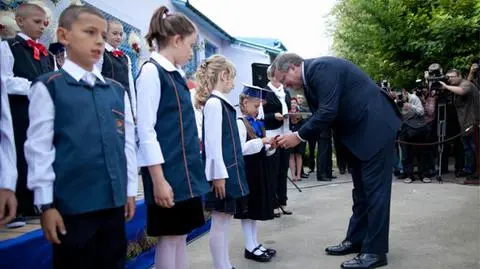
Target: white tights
219,240
171,252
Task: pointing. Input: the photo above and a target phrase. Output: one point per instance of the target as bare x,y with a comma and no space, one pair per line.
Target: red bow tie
117,53
37,49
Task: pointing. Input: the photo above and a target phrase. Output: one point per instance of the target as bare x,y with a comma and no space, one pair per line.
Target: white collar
109,47
303,74
279,89
78,72
24,36
164,62
221,96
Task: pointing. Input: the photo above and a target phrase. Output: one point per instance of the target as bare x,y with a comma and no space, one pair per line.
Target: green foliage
399,39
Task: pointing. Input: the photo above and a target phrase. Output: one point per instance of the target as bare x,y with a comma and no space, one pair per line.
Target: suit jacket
273,106
341,96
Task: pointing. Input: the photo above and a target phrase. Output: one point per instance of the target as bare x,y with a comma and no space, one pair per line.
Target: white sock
220,221
248,227
254,236
227,256
165,252
181,252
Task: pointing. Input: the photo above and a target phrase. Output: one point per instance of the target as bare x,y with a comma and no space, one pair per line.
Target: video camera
433,76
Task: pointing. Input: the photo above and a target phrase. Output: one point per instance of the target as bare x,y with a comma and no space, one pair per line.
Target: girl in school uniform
116,64
255,147
169,153
224,164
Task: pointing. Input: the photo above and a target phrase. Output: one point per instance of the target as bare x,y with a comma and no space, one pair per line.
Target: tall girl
256,147
224,164
169,153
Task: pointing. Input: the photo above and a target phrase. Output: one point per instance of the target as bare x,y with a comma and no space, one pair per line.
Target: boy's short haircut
71,14
24,9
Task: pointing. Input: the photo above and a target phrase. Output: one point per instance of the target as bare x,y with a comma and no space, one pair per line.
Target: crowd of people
453,107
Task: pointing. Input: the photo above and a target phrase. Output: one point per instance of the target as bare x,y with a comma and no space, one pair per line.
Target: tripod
441,132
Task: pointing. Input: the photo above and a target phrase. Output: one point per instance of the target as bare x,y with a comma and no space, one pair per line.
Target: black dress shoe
366,261
270,251
264,257
331,177
344,248
323,178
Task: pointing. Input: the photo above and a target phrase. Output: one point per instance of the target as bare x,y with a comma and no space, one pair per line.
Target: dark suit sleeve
326,85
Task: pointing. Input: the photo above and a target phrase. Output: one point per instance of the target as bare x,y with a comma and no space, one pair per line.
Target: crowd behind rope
76,124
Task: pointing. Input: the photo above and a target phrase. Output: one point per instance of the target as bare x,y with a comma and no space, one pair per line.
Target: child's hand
8,206
52,222
163,194
130,208
219,188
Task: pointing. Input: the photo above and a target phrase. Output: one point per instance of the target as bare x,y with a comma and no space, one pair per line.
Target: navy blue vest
89,138
116,68
236,184
177,134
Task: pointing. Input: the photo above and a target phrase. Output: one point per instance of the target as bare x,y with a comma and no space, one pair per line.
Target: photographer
414,131
467,106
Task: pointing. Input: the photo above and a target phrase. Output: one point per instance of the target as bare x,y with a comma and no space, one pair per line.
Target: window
210,49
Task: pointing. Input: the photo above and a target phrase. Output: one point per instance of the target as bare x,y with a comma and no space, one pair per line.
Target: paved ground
432,226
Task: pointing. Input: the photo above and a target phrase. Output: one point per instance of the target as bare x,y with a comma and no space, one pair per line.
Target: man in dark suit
366,121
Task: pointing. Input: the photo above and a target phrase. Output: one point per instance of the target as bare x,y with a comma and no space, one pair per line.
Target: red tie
37,49
117,53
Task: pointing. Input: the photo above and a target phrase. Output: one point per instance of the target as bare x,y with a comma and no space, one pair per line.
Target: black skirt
299,149
227,205
179,220
261,197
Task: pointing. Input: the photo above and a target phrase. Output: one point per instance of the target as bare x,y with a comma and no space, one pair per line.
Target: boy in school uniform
81,151
23,59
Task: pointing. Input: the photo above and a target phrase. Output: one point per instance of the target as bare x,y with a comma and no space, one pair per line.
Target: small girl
116,64
296,161
169,152
256,147
224,164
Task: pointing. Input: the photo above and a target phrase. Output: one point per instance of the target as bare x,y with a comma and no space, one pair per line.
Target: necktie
37,49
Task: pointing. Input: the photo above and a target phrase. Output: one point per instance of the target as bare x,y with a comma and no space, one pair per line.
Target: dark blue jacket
341,96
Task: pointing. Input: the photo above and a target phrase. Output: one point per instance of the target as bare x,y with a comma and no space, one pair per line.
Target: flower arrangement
134,42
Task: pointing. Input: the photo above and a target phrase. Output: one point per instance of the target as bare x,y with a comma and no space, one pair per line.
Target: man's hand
8,206
279,116
52,222
163,193
474,68
288,141
219,188
130,208
444,85
407,106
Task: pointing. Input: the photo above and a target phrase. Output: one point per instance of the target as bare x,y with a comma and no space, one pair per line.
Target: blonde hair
207,74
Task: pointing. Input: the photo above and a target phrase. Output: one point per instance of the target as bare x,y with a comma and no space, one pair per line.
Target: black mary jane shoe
264,257
270,251
366,261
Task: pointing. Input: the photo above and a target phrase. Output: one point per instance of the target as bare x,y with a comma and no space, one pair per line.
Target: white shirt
251,146
131,84
13,85
212,114
198,114
149,93
285,128
39,148
8,157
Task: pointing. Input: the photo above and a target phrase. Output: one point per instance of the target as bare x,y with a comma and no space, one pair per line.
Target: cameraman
468,112
414,131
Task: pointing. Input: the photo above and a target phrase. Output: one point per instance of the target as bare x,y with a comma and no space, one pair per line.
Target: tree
398,39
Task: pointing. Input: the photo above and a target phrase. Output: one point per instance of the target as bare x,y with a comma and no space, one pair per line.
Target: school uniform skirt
181,219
